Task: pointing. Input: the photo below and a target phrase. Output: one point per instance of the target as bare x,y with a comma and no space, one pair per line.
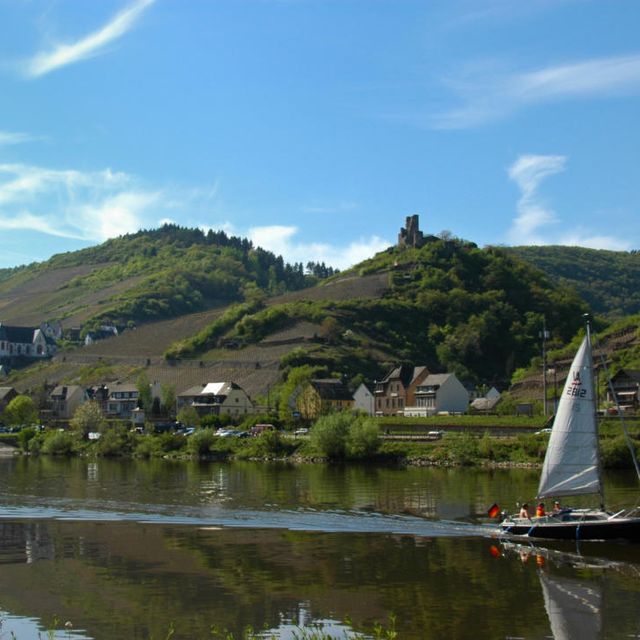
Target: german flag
494,510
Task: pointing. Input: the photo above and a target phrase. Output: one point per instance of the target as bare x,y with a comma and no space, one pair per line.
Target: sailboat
572,467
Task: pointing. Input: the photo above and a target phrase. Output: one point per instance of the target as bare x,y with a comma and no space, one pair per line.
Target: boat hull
611,529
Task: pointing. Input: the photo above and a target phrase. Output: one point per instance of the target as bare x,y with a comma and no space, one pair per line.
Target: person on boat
557,508
540,512
524,511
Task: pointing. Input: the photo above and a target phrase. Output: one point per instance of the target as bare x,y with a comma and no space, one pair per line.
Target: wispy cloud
531,225
528,172
91,45
488,95
90,206
10,137
282,241
341,207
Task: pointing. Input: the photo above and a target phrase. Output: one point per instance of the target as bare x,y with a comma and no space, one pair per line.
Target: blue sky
316,126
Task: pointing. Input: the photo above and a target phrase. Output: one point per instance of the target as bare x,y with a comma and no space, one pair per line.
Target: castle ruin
411,236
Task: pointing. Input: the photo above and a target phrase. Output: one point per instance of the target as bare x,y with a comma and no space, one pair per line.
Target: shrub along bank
334,438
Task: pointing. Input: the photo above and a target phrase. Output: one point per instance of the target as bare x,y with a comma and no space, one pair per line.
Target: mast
594,402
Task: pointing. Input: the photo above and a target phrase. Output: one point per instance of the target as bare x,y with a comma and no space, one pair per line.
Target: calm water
131,550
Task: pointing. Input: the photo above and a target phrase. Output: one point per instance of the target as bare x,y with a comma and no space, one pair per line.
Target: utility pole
544,335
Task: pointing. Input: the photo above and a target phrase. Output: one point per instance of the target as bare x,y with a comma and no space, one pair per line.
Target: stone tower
411,236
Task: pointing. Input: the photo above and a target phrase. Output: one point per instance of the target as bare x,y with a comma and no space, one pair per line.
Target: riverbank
525,450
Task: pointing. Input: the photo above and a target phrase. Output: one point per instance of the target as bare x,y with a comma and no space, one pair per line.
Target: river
157,549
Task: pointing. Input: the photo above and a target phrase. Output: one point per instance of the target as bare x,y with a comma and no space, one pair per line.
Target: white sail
571,466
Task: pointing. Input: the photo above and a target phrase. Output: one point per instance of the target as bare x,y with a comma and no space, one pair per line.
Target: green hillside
449,305
609,281
209,307
145,276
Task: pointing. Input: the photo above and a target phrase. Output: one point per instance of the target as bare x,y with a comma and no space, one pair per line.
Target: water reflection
119,579
574,608
576,586
127,549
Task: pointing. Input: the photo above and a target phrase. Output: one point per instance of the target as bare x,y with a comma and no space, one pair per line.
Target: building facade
438,393
216,398
396,390
323,396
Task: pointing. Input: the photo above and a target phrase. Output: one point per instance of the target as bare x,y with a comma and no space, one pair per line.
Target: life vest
540,511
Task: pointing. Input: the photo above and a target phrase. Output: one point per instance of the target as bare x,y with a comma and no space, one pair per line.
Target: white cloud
89,46
281,240
490,94
581,238
534,216
528,172
8,137
91,206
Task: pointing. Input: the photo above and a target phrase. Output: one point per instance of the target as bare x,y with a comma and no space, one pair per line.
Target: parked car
231,433
545,430
257,429
303,431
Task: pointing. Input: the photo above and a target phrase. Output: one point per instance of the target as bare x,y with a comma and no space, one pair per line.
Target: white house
363,400
216,398
438,393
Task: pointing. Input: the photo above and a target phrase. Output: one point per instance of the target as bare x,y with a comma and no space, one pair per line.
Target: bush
168,442
200,442
363,439
25,436
615,453
147,447
329,435
114,442
270,443
463,448
60,443
213,421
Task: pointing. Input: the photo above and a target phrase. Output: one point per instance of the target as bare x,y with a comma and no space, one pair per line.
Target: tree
364,438
188,416
88,418
21,410
330,329
168,399
329,434
145,399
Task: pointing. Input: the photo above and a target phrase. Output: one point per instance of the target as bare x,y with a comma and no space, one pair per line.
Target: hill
609,281
145,276
449,305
